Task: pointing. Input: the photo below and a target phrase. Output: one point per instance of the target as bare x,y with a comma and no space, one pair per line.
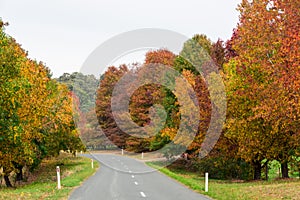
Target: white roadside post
206,182
58,177
92,163
122,152
142,155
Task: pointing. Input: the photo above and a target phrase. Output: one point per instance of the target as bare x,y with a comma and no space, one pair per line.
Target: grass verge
74,170
228,190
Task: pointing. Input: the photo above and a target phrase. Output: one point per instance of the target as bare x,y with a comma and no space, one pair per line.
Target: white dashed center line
136,183
132,176
143,194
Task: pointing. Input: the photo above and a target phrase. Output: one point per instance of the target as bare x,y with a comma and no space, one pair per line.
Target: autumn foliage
259,65
262,78
260,68
36,113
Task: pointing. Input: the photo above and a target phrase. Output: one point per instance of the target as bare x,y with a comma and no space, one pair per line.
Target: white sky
62,33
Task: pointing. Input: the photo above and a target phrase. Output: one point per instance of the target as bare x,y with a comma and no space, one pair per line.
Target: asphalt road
123,178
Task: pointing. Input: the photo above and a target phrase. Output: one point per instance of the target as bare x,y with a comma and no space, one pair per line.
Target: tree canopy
36,118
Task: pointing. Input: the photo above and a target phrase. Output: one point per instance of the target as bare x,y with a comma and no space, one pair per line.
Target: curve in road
123,178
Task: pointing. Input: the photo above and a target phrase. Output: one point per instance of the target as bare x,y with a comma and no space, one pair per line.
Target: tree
30,103
261,63
218,53
161,95
91,133
11,56
103,106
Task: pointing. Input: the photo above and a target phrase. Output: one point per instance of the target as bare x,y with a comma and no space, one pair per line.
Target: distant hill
84,86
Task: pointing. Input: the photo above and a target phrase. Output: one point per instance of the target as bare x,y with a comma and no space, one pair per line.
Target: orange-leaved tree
262,82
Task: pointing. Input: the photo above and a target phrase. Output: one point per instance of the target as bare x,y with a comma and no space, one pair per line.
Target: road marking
136,183
143,194
130,171
132,176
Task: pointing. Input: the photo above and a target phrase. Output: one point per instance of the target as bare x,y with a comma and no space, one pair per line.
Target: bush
224,168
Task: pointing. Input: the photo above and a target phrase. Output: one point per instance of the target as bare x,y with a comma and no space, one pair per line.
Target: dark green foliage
84,86
224,168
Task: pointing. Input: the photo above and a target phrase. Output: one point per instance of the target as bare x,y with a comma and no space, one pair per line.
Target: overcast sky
62,33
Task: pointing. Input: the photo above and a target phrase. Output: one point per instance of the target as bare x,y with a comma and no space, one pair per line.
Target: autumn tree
11,55
160,95
197,51
262,67
28,104
192,63
103,106
90,131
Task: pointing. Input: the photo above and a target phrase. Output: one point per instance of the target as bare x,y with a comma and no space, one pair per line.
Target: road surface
123,178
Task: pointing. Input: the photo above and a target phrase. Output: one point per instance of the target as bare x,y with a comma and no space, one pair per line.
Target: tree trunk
257,170
19,176
285,170
7,181
19,173
267,171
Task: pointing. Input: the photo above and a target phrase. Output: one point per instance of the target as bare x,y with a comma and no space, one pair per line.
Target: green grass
228,190
44,186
